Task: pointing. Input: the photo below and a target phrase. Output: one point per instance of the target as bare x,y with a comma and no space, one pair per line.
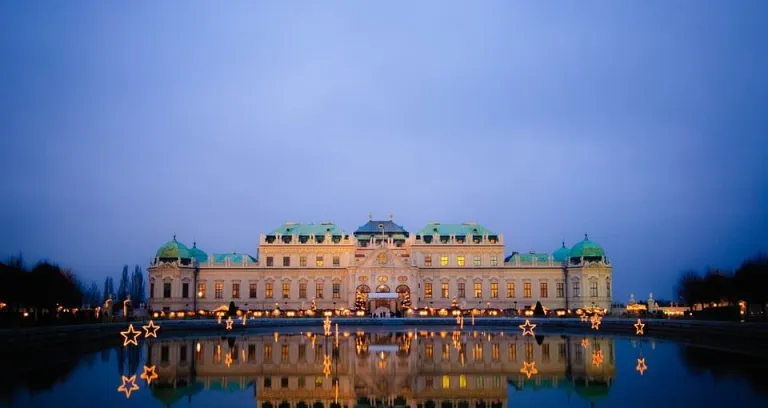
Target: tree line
46,285
749,283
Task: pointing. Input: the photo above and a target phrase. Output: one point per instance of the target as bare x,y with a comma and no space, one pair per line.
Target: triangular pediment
384,258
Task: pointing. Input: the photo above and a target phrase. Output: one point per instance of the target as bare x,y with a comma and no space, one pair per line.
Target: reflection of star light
596,320
218,319
131,382
641,367
326,365
639,327
327,326
584,343
527,328
150,329
229,323
529,369
228,359
131,332
597,358
149,374
276,335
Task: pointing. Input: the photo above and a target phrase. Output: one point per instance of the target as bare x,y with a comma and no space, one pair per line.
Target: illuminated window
253,290
185,290
428,290
446,382
444,289
166,289
428,351
235,290
476,260
512,352
302,290
428,260
319,261
201,290
462,290
219,290
251,352
477,352
318,382
336,260
286,261
319,290
576,288
268,291
510,289
526,289
286,290
283,353
528,352
545,352
267,353
443,260
270,261
543,289
560,289
494,289
446,352
608,287
478,290
494,260
462,381
460,260
495,353
337,290
593,288
303,260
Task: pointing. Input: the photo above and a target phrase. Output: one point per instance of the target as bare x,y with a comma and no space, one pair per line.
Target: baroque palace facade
441,263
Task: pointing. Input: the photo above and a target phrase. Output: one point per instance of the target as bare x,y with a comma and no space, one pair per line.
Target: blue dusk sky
643,124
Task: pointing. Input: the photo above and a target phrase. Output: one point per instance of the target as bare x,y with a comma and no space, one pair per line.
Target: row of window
461,260
543,289
253,290
319,260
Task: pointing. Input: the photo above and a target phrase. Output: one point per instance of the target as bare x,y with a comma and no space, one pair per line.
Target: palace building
438,266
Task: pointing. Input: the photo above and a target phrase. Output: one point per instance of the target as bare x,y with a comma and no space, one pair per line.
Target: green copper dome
561,254
198,254
587,249
173,249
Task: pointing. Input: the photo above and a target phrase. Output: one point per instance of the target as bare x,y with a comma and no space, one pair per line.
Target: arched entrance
383,302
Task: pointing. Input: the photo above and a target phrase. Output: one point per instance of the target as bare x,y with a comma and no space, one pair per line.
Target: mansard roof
458,230
381,227
294,228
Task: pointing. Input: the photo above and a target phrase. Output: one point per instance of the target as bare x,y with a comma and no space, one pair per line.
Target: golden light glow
584,343
596,320
641,367
228,359
245,319
150,329
639,327
131,385
218,319
149,374
276,335
529,369
527,328
597,358
327,365
229,323
327,326
131,332
583,317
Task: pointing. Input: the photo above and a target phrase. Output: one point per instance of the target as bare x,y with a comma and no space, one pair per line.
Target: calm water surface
415,369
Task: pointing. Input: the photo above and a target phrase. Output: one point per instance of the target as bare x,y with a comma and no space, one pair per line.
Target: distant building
297,263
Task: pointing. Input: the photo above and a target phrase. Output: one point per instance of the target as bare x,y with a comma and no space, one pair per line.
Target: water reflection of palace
410,369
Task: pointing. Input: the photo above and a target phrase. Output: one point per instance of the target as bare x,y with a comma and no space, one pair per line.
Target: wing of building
439,266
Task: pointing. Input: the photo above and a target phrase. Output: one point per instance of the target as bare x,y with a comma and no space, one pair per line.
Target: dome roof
173,249
561,254
198,254
587,248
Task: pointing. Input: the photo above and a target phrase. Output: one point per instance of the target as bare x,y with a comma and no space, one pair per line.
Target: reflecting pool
413,369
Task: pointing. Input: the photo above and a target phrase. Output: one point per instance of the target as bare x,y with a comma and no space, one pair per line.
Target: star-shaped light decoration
639,327
527,328
131,385
584,317
596,320
584,343
327,326
228,359
529,369
641,367
131,332
149,374
150,329
229,323
327,365
597,358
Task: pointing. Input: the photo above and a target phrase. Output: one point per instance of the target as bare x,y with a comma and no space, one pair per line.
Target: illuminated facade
297,263
409,369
